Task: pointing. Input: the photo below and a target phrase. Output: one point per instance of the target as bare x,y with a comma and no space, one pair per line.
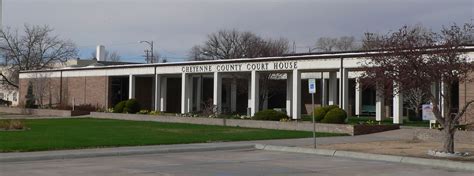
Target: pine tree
30,98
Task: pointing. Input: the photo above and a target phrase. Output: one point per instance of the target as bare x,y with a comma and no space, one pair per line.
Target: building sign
427,112
237,67
312,86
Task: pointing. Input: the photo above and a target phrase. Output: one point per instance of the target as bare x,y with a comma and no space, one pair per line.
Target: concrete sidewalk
401,134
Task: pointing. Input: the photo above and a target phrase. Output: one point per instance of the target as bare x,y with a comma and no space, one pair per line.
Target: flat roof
299,56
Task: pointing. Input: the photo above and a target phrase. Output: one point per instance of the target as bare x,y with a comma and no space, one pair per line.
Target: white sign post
427,114
312,91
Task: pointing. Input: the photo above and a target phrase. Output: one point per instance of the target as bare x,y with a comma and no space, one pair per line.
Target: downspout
154,91
61,88
341,82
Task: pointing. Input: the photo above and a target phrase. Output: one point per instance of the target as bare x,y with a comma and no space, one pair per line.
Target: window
1,96
14,96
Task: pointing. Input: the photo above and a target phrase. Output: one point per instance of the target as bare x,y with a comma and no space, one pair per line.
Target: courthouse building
231,85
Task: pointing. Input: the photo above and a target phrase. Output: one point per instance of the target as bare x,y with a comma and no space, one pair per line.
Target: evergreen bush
118,108
336,115
320,112
270,114
132,106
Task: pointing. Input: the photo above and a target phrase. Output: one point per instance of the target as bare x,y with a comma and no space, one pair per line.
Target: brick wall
466,93
84,90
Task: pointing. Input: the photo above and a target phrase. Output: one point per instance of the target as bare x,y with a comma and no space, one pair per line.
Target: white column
249,95
131,87
254,92
358,97
379,104
289,93
233,95
332,88
189,94
157,92
344,89
198,93
217,94
163,93
184,93
296,110
324,91
397,106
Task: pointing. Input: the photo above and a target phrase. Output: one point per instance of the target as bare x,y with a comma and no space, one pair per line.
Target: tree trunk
448,145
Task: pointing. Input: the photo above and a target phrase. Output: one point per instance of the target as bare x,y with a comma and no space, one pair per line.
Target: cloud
176,26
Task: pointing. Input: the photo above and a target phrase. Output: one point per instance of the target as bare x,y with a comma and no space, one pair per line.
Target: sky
177,25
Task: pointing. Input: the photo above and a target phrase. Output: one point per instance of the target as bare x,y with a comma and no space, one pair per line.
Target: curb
45,156
369,156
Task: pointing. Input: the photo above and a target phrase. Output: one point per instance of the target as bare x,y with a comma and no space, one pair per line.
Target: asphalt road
222,163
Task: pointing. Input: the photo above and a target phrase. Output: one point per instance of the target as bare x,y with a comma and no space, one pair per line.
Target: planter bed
43,112
297,126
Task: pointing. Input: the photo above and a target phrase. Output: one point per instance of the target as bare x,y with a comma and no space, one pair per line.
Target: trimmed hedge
320,112
270,114
336,115
132,106
118,108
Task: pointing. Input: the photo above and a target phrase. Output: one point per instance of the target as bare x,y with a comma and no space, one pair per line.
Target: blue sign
312,86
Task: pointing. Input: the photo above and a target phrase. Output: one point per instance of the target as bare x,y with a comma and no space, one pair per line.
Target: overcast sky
177,25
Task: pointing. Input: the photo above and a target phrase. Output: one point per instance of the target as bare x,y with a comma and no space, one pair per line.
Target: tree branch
8,81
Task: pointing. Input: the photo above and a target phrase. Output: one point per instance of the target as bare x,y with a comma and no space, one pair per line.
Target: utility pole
147,56
152,60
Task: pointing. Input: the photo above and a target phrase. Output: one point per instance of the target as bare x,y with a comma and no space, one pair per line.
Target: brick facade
466,93
81,90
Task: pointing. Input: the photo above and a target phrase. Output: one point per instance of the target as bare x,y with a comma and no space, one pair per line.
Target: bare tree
114,57
196,54
33,49
415,98
229,44
417,59
344,43
326,44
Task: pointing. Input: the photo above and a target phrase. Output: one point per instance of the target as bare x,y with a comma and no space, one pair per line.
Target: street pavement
221,163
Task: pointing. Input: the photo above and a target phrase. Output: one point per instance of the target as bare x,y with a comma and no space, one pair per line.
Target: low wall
42,112
437,135
299,126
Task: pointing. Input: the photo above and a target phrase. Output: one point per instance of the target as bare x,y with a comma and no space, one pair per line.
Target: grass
58,134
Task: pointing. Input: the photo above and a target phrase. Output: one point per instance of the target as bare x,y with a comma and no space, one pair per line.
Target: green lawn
56,134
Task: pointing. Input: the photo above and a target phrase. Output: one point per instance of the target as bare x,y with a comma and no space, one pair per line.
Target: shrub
118,108
12,124
336,115
131,106
154,113
270,114
143,111
320,112
30,98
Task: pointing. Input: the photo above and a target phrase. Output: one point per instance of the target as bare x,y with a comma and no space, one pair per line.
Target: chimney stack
100,53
